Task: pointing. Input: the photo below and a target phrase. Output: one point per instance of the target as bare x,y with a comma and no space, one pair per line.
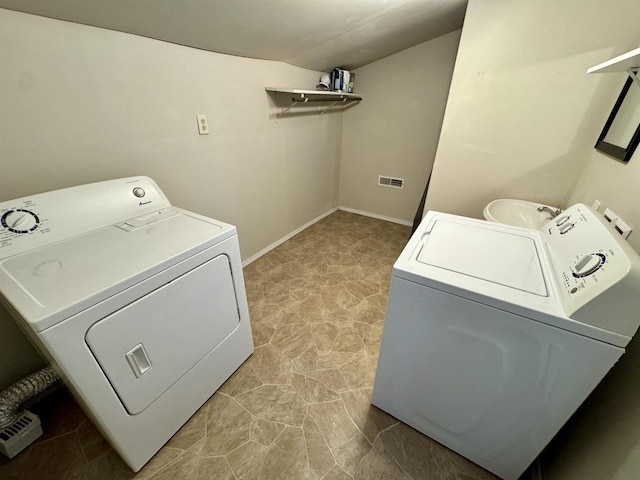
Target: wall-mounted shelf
626,63
306,96
621,63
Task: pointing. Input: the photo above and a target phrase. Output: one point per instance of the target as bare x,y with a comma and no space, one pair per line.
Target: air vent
390,182
20,434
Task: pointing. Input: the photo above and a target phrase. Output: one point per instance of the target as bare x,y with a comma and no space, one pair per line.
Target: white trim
375,215
277,243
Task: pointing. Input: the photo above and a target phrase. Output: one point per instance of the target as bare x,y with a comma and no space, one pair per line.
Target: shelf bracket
329,106
344,101
293,102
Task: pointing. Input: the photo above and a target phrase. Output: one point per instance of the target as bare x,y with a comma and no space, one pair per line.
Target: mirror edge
620,153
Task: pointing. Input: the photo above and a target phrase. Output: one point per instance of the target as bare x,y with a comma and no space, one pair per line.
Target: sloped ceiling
317,34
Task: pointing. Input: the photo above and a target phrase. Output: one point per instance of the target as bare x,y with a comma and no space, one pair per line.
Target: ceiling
318,35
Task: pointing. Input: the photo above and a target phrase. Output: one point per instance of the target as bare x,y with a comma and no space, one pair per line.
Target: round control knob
20,221
138,192
588,264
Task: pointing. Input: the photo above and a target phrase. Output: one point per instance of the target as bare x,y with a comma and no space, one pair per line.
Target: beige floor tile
333,379
333,359
13,469
92,443
340,295
320,458
380,465
324,335
105,467
347,342
312,309
340,317
365,312
161,459
270,365
243,380
184,467
59,416
55,458
312,390
192,432
462,466
287,332
214,468
246,460
265,431
297,343
417,454
378,301
277,403
350,454
333,421
227,425
336,473
307,362
287,457
362,288
261,333
371,335
370,420
359,372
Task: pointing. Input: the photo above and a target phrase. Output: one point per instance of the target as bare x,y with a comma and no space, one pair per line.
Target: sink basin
520,213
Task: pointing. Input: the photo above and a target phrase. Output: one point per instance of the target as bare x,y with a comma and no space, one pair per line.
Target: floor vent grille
390,182
20,434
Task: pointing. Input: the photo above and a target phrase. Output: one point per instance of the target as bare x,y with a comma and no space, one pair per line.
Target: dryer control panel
31,222
595,268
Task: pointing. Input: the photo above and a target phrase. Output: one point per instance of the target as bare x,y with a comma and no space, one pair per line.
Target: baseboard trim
277,243
375,215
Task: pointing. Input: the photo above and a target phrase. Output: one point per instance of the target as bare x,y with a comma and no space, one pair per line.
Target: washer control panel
31,222
587,257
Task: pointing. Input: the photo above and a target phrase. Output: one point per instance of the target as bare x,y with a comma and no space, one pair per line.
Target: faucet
550,211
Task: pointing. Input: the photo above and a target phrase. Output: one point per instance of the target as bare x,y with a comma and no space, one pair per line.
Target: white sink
520,213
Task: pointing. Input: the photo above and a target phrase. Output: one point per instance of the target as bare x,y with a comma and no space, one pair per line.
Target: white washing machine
495,334
140,305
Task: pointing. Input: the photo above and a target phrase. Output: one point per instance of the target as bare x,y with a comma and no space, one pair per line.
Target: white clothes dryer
496,334
140,305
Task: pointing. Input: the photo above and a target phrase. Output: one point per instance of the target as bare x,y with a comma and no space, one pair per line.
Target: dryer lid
51,283
487,252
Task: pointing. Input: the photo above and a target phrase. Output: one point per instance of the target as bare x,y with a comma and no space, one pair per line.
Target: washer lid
507,258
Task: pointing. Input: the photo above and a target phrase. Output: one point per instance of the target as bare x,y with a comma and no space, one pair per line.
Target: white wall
80,104
612,182
395,130
523,116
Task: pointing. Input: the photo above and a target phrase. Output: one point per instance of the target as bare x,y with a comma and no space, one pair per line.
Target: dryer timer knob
20,221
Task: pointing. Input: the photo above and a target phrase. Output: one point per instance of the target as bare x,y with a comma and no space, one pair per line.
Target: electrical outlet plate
610,216
622,228
203,124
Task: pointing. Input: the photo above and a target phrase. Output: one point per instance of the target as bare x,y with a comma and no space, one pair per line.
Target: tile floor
299,407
